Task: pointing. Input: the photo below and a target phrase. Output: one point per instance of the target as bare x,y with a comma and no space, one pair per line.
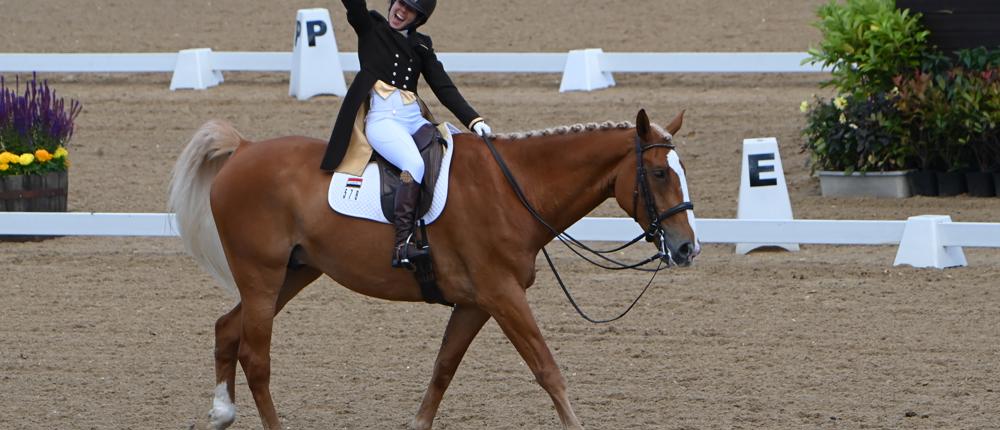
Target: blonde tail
190,187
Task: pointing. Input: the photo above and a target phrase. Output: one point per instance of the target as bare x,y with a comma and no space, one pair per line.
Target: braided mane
576,128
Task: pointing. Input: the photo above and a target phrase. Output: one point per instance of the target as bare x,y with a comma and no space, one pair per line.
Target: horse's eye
660,173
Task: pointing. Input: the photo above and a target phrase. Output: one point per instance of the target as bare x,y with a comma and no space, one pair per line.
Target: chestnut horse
255,215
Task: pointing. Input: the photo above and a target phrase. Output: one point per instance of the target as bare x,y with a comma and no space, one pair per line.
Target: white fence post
315,62
584,71
194,70
763,192
921,245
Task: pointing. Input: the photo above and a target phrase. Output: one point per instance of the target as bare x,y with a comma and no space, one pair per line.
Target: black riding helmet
424,7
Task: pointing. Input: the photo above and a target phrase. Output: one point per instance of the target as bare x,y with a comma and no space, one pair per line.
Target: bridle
655,230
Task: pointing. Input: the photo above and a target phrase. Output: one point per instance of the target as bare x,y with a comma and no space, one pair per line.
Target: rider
393,55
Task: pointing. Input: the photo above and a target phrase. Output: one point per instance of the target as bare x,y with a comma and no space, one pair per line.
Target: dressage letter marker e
763,193
315,61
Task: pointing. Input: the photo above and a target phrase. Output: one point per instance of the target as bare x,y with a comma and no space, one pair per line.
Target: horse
255,215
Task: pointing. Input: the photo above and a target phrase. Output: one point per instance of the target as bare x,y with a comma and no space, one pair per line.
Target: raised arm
357,15
443,87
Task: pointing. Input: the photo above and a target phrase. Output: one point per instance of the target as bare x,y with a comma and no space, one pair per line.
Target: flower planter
33,193
923,183
951,183
868,184
980,184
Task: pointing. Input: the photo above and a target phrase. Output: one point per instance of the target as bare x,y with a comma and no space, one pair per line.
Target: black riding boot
405,213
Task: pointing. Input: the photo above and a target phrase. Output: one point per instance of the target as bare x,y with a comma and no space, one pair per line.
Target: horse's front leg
463,326
508,304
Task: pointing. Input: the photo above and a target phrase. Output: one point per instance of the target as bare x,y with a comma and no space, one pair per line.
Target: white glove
482,129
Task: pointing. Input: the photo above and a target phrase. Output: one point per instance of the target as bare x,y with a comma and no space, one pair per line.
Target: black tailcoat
387,55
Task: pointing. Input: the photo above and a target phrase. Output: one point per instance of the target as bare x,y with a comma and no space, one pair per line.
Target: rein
653,231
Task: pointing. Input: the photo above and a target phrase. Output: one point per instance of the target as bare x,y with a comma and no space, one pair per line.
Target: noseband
655,229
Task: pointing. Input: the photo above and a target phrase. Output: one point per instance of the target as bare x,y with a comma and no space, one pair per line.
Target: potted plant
949,112
35,129
866,44
977,97
924,113
854,146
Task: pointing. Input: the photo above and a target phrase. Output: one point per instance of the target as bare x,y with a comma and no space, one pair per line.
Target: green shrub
866,43
950,111
855,134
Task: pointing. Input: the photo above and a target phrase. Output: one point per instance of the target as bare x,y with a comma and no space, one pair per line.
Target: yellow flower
875,27
843,119
840,102
4,167
26,159
804,107
43,155
7,157
60,153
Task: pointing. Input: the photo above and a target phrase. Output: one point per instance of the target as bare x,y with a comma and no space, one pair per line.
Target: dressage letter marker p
316,28
315,60
763,193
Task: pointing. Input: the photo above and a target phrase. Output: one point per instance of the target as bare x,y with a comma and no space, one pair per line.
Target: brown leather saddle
431,146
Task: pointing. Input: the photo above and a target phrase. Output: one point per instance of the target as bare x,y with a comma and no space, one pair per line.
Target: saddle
431,145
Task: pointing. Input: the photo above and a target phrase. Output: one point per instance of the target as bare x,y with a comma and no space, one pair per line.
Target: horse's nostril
684,251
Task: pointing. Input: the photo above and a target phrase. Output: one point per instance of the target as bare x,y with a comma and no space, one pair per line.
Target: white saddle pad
360,196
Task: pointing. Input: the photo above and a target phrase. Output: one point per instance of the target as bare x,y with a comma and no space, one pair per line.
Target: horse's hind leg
227,341
509,306
227,345
464,324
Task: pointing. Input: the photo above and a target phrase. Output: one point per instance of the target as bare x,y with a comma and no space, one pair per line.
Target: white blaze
674,162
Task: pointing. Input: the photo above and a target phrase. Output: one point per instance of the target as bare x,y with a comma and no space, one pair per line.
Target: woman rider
393,55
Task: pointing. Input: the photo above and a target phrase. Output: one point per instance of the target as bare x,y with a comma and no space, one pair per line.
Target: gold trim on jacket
359,151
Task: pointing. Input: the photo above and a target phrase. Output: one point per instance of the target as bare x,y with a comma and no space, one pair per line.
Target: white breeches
389,126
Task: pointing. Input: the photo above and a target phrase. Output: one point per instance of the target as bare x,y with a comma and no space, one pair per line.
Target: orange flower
43,155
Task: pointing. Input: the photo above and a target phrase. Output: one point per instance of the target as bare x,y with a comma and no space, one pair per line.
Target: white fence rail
494,62
938,242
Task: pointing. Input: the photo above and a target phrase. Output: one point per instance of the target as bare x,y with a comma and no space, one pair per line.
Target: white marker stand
315,61
921,244
763,192
193,70
583,71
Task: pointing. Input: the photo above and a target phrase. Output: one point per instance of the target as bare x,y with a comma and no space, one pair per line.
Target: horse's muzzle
680,255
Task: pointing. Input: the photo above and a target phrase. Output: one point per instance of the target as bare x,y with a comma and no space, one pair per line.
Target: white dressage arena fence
589,69
316,67
924,241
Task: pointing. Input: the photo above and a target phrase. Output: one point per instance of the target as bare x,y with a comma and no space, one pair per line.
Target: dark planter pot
996,183
33,193
951,183
923,183
980,184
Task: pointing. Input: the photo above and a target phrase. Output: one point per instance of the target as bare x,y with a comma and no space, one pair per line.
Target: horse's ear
642,123
675,125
